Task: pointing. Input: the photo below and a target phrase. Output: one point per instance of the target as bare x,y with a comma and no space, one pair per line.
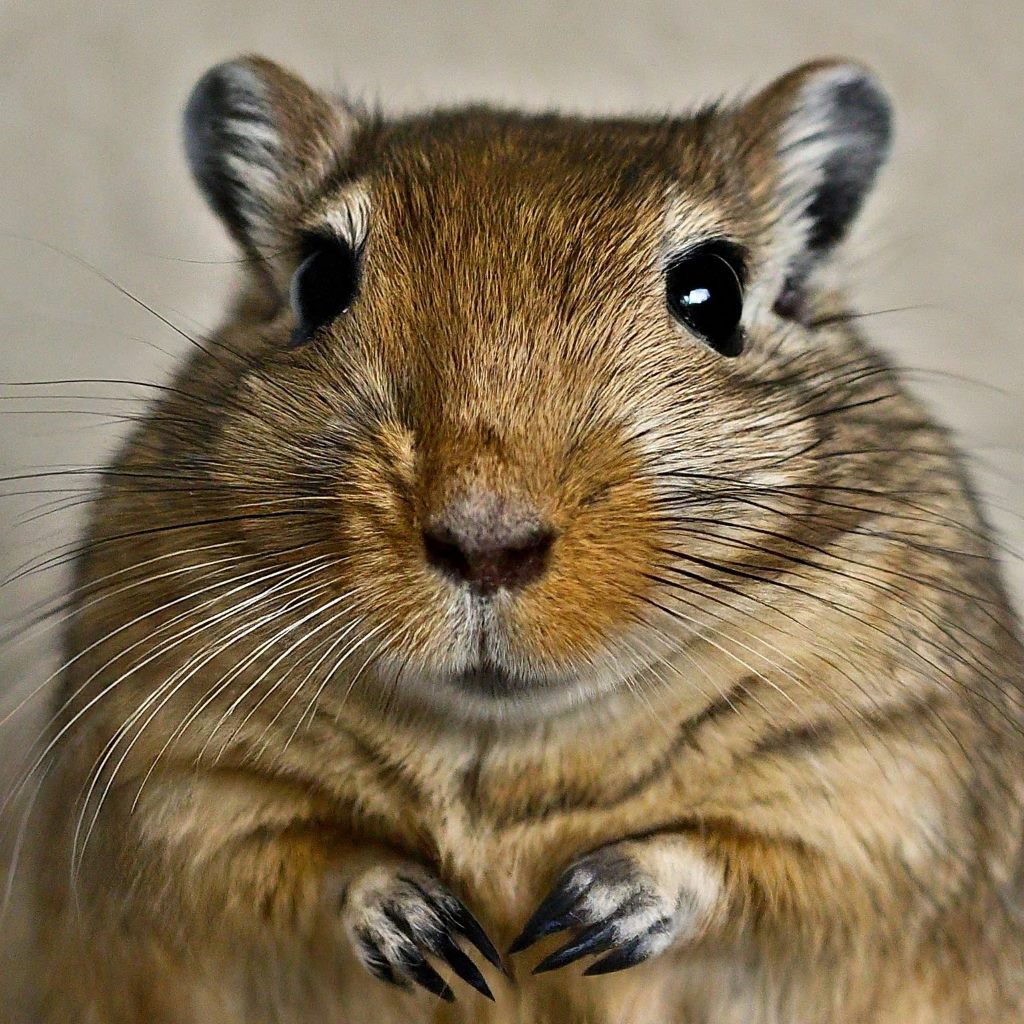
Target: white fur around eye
346,214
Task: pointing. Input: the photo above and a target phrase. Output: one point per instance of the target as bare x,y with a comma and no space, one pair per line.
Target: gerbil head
539,386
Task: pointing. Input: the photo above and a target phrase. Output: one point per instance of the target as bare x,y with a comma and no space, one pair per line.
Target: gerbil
538,571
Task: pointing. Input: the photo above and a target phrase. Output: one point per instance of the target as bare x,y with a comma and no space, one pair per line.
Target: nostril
444,553
487,563
526,560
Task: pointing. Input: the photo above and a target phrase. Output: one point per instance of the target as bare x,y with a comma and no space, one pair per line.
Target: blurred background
93,182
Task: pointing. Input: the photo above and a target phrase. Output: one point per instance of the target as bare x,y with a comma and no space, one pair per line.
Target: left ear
815,140
260,141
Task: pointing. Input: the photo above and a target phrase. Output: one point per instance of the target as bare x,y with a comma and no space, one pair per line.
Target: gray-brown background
90,162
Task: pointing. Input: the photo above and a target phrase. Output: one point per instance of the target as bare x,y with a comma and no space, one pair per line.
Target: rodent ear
820,135
259,141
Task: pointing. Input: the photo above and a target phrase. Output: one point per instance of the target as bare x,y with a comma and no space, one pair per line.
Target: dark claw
554,914
596,939
376,964
442,945
445,949
628,955
468,927
420,971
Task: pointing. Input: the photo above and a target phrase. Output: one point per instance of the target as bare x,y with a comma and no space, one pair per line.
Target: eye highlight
324,286
704,292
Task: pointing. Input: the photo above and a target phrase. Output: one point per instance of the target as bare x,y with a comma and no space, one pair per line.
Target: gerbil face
538,387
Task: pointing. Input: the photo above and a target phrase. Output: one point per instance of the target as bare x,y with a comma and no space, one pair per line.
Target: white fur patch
347,215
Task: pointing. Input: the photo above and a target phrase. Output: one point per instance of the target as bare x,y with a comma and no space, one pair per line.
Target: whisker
183,675
109,688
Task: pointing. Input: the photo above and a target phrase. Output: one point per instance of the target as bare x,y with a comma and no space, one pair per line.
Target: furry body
768,685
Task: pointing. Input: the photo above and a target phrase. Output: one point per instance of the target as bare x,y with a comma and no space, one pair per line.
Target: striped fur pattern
746,751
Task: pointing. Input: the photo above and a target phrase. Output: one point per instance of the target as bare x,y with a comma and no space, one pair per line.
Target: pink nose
488,543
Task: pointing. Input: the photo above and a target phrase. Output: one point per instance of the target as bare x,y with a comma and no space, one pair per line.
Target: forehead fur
537,177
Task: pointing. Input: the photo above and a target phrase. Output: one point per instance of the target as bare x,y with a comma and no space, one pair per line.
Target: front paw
397,915
631,900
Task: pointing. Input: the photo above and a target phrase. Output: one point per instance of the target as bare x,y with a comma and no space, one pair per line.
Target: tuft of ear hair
259,141
819,134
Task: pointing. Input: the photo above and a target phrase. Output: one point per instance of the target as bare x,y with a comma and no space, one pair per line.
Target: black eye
704,289
323,287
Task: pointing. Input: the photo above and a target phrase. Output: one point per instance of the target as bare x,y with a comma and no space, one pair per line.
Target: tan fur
772,630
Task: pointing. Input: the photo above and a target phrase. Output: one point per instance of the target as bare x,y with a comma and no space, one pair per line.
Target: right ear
259,142
814,141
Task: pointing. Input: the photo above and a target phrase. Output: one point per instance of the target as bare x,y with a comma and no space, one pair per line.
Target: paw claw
423,974
445,949
468,926
376,963
597,938
629,955
395,922
628,901
554,914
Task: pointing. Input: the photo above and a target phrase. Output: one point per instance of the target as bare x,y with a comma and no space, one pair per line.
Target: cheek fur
599,577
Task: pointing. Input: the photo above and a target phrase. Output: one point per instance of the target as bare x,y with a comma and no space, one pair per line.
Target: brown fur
772,630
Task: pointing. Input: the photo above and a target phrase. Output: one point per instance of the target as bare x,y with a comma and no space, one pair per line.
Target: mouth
495,682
